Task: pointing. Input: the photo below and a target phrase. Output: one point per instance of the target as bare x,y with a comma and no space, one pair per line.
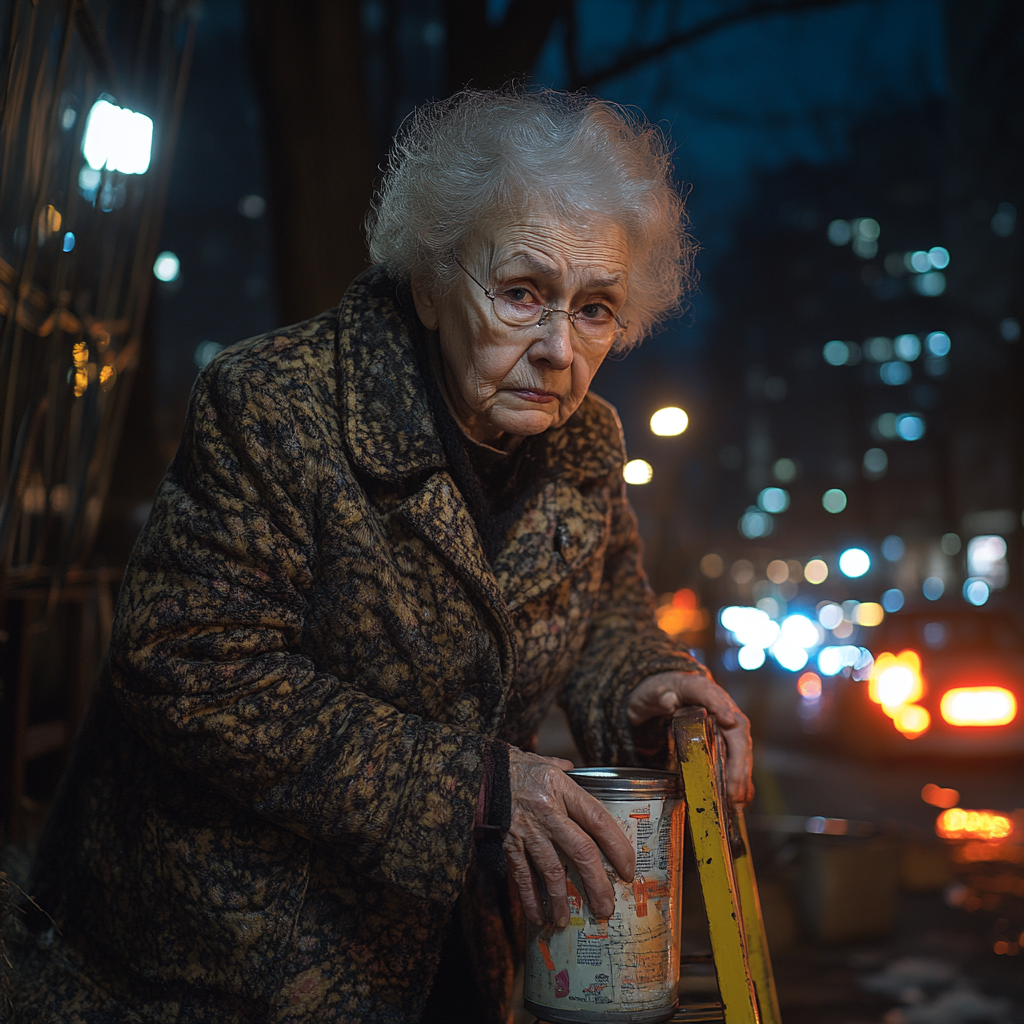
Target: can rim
626,782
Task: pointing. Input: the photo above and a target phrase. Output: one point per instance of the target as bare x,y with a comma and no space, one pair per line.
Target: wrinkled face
502,380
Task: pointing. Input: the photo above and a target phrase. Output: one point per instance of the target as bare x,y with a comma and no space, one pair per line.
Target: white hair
467,162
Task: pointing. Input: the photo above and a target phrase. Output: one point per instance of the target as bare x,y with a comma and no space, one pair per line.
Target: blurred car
945,682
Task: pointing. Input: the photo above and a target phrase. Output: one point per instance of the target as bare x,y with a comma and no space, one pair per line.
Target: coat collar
386,421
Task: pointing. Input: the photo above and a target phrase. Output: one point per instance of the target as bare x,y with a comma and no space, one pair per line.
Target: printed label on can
631,960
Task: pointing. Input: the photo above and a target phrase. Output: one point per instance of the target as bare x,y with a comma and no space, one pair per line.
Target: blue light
933,588
976,592
893,548
773,499
910,427
938,343
69,241
854,562
892,600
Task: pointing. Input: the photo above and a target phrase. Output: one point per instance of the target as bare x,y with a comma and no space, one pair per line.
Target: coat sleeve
624,645
207,663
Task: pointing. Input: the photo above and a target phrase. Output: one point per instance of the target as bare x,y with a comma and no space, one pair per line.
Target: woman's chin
524,422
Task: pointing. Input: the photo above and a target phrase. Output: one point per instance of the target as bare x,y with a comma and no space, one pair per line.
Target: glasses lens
516,311
593,322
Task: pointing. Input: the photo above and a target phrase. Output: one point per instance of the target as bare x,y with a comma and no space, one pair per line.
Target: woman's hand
661,694
552,818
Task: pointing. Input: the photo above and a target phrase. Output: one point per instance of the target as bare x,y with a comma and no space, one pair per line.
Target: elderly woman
392,536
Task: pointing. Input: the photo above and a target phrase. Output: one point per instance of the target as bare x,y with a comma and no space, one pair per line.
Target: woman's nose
554,346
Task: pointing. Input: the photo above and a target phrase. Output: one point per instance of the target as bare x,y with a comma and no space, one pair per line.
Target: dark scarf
494,485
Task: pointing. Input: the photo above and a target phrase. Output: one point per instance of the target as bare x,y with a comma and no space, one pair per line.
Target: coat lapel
389,432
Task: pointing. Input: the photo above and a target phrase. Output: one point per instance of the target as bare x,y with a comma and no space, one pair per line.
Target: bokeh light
816,571
669,422
834,500
854,562
166,267
637,471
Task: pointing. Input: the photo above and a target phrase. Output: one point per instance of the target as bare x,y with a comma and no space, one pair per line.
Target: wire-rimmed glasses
516,306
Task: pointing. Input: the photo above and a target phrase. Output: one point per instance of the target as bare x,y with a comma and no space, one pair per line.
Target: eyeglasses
517,306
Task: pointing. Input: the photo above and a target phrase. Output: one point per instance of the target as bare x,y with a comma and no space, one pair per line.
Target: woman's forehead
552,248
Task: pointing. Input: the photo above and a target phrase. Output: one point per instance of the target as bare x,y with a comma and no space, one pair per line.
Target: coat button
562,540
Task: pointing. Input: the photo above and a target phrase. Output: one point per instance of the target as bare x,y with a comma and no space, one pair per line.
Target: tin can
625,968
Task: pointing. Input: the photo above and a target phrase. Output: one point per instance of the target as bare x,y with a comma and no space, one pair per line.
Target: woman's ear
426,307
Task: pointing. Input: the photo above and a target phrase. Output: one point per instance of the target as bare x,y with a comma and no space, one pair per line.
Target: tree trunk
308,65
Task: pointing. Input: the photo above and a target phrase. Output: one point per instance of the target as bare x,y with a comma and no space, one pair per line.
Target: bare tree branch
684,37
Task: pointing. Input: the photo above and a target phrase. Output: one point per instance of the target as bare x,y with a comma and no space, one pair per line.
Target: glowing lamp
896,680
956,823
978,705
912,720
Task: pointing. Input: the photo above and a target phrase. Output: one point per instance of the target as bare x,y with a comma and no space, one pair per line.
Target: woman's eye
521,295
595,311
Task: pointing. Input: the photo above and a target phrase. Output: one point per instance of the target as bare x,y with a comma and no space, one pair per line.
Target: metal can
624,968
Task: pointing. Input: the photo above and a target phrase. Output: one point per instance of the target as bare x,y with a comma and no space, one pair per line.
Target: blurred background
827,447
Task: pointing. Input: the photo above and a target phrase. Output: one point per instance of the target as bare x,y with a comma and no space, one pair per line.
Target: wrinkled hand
552,818
661,694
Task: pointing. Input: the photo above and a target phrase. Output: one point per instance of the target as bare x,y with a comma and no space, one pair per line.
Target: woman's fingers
661,694
522,878
553,820
595,820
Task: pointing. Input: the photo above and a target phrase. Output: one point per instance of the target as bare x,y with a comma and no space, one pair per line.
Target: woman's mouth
535,395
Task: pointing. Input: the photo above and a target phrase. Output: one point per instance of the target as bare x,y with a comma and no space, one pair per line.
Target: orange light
896,680
912,720
979,705
956,823
809,686
939,797
685,599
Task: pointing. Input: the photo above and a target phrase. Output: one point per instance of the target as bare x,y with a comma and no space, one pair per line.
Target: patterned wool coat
269,815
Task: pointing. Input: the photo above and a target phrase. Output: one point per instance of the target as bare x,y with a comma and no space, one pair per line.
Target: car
945,681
